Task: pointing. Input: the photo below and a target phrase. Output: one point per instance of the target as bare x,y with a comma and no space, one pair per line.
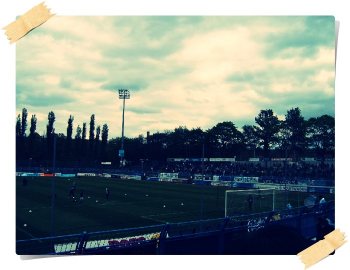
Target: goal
246,201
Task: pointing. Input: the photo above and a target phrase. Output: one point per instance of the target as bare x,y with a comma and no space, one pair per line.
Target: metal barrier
213,236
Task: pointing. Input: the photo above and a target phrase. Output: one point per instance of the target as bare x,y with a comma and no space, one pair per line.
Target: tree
84,132
97,143
321,135
18,126
24,122
78,144
222,140
159,144
294,132
104,138
195,142
177,141
250,138
92,128
78,133
225,139
70,128
104,134
33,122
49,127
83,142
32,136
98,132
267,129
50,133
68,139
90,149
19,144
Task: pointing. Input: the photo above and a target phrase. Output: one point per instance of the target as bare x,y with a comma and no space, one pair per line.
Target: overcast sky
181,71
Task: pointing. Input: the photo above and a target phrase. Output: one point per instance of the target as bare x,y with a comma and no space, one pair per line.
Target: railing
194,237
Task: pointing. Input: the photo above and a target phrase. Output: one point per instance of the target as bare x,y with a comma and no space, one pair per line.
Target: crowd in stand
290,171
273,172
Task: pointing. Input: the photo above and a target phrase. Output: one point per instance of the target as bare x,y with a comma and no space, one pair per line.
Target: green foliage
98,132
293,137
33,122
24,122
78,133
84,132
294,128
50,126
92,128
224,138
70,128
18,126
321,134
267,129
104,134
250,138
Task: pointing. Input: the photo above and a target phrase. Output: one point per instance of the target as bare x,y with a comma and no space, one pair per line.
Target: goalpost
245,201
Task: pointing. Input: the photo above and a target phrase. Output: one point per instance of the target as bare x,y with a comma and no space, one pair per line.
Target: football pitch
131,203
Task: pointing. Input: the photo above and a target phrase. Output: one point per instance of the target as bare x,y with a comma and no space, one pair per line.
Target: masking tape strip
322,248
27,22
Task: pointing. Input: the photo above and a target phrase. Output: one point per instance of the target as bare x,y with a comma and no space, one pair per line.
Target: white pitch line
115,202
24,231
166,214
154,219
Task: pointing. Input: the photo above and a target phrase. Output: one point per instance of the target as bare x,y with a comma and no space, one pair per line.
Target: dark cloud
66,83
124,84
141,51
40,100
133,79
60,65
35,93
311,103
144,110
271,75
315,32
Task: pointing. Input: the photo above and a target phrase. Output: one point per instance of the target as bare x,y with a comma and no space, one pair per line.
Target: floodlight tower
123,94
53,184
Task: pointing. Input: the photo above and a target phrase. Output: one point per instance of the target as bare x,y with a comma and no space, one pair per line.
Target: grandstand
273,170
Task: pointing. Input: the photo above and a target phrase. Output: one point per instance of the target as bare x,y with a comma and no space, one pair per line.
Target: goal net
238,202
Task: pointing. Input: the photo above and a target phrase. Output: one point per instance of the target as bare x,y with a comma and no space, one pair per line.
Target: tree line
294,137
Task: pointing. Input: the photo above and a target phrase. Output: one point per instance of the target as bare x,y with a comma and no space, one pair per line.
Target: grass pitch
131,203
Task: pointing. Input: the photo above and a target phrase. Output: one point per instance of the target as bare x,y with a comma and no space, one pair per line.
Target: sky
181,71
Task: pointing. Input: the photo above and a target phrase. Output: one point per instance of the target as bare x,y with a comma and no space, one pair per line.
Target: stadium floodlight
53,184
123,94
